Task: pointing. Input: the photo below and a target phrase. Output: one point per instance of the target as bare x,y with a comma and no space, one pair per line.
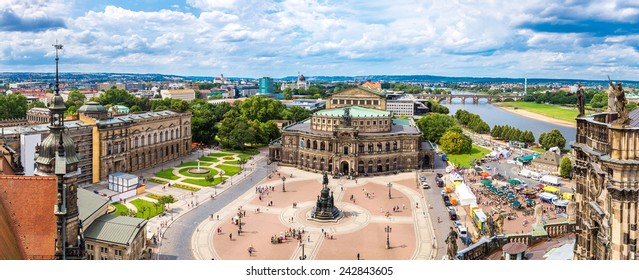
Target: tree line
509,133
472,121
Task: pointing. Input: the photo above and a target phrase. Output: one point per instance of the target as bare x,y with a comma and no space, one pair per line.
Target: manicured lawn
547,110
228,158
122,210
465,159
539,150
232,162
229,170
204,183
209,159
167,174
147,209
185,172
220,155
154,196
245,157
194,163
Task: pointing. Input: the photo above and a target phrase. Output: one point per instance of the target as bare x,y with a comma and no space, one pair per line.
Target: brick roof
27,222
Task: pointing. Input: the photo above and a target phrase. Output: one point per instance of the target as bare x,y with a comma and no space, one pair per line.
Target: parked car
446,200
451,213
487,167
422,178
444,193
425,185
440,182
461,229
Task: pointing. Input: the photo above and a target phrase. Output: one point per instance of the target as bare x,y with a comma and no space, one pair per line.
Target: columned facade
607,187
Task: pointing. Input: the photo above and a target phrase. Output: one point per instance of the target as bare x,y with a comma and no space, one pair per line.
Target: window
172,134
136,141
118,252
155,138
90,247
161,138
104,258
142,141
104,250
166,136
375,102
346,150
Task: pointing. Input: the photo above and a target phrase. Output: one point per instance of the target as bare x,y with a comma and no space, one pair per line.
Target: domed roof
92,107
56,102
48,149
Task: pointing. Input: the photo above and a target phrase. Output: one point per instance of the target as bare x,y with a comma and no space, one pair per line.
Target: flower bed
185,187
157,181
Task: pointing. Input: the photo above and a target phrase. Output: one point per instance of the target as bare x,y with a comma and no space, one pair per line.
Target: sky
578,39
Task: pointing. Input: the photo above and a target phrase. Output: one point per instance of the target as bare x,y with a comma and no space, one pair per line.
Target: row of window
103,250
354,102
335,121
163,137
371,147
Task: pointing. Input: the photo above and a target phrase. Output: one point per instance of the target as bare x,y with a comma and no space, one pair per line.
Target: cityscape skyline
245,38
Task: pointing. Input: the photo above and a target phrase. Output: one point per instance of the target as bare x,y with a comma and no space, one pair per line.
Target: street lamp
388,229
283,187
389,189
303,256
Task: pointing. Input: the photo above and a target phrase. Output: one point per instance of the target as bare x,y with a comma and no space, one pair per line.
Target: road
176,242
434,199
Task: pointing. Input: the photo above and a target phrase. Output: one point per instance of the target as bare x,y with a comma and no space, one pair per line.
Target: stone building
353,140
136,141
38,115
359,96
606,171
548,163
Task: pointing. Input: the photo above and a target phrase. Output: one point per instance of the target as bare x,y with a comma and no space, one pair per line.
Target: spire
57,81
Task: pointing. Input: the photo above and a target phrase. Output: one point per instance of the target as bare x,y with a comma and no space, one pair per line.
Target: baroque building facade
607,187
353,140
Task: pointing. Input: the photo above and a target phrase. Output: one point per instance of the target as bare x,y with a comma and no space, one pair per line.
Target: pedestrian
230,236
238,232
309,238
218,217
358,256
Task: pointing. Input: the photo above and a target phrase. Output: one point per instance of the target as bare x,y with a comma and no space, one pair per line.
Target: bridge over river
464,97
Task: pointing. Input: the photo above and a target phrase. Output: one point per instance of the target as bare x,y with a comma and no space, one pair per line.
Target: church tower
57,156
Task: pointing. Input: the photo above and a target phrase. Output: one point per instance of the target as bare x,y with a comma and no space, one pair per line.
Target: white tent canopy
465,195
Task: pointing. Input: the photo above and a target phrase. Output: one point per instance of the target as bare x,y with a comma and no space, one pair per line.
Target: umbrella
514,181
515,204
530,202
500,193
487,182
510,198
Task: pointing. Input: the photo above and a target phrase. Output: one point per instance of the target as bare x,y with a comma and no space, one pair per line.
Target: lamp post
388,229
389,189
283,186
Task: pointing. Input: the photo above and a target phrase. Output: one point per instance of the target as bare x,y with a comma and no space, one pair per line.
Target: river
495,116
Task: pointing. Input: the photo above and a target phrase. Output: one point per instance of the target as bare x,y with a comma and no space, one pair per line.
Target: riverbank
532,115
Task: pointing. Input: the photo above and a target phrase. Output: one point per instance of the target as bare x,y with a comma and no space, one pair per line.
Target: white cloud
331,37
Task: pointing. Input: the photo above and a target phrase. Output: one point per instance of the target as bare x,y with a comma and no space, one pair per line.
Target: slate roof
549,158
89,203
115,229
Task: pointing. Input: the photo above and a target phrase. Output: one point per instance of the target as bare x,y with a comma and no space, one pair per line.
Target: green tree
13,106
552,139
565,168
270,131
599,100
115,96
135,108
453,142
434,125
631,106
37,104
259,108
296,114
288,94
75,98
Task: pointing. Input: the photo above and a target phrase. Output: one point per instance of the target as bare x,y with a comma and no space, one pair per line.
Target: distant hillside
131,77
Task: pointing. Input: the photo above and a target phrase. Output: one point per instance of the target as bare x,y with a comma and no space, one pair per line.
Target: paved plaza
367,209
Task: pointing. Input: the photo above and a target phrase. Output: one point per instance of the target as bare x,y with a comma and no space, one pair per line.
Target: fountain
198,170
325,210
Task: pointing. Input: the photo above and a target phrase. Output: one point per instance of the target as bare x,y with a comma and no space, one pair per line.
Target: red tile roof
27,223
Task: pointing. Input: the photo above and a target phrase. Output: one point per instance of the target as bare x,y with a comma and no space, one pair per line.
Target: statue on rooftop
325,180
580,101
620,104
346,118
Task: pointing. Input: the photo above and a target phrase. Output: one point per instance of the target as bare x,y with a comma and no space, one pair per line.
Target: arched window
116,148
123,146
308,143
395,146
166,136
161,137
142,144
387,146
108,149
136,141
172,134
155,138
314,145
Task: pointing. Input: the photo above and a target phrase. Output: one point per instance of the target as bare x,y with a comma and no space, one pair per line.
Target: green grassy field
147,209
220,155
204,183
209,159
229,170
465,159
194,163
547,110
185,172
122,210
244,157
185,187
232,162
167,174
